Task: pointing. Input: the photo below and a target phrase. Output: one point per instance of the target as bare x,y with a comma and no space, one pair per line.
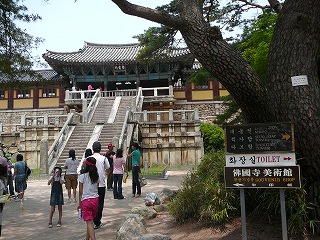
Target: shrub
266,202
203,195
213,137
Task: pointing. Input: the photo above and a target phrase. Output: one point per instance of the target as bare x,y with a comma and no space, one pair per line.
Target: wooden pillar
35,97
10,99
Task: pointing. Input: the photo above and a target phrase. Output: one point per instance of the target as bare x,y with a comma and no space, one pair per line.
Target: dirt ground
257,229
31,221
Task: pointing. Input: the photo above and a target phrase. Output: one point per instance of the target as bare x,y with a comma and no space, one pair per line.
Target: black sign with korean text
262,177
119,67
277,137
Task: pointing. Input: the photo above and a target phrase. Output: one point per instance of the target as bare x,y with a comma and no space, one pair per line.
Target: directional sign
262,177
261,159
277,137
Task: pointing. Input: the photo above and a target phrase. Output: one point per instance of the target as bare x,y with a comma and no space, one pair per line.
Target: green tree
15,43
255,42
213,137
293,51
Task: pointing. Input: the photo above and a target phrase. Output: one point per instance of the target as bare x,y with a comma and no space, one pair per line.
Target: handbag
142,180
125,178
27,171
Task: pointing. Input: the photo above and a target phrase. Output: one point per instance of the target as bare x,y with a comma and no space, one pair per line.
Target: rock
154,237
132,228
145,212
158,208
166,195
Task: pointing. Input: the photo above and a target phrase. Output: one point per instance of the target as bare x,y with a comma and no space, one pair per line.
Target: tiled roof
40,75
196,65
49,74
106,53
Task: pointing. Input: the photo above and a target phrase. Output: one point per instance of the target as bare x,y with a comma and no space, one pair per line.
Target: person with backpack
88,194
20,177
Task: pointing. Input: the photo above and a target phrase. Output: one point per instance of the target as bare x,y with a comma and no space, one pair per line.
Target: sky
67,24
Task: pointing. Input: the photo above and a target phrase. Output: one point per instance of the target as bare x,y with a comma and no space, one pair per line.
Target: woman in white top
88,194
71,178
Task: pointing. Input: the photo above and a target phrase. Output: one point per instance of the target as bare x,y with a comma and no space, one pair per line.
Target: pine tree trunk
294,52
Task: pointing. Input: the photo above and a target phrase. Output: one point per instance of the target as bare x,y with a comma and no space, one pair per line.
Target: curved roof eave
94,53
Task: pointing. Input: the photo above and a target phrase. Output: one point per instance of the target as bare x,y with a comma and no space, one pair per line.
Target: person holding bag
135,154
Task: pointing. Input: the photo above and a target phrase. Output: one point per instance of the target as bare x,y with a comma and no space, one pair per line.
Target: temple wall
208,110
171,143
14,116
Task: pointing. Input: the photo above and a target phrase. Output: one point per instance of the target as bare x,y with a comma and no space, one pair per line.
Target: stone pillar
67,95
84,111
115,142
170,90
44,166
23,120
45,119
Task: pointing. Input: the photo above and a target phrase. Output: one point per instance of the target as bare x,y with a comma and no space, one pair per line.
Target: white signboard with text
260,159
299,80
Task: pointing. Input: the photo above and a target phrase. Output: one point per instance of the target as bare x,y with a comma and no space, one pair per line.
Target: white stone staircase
83,132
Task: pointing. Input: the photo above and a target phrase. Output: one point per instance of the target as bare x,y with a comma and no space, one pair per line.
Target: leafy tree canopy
15,43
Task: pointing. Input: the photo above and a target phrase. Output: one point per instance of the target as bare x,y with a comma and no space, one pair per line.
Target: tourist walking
20,177
103,167
9,187
119,167
88,194
135,154
109,155
71,177
56,198
3,174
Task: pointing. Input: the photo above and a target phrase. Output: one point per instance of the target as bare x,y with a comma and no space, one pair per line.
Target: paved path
32,221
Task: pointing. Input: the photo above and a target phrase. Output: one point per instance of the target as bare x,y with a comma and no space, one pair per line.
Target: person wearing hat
3,174
56,197
109,155
103,167
20,177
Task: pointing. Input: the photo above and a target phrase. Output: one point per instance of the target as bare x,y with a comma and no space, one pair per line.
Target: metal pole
283,215
243,214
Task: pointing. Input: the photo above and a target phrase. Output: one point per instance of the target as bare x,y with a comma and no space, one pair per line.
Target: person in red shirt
109,155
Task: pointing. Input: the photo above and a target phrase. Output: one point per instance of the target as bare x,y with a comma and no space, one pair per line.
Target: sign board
277,137
262,177
299,80
119,67
260,159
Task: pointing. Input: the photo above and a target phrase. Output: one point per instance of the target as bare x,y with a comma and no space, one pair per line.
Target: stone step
82,132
